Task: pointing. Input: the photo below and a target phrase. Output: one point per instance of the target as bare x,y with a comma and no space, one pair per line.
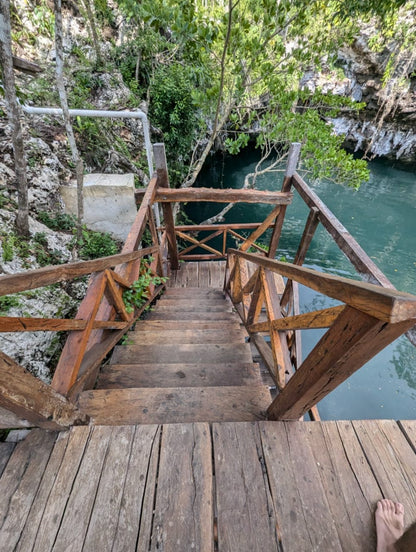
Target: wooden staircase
187,362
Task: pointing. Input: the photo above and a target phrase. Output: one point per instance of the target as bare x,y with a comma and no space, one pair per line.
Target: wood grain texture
31,399
226,195
187,337
299,498
350,509
193,353
79,506
6,450
102,526
28,535
246,517
19,484
392,461
183,517
382,303
176,405
134,523
32,279
62,485
179,375
352,340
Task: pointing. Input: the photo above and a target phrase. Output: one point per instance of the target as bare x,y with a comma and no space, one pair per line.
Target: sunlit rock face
381,131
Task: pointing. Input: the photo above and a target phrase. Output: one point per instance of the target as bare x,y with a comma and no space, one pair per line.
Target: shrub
96,244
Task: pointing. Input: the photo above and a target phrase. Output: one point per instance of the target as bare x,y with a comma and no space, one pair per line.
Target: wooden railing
369,319
101,320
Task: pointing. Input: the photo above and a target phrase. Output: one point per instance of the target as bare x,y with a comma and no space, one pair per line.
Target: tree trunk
93,27
14,112
79,168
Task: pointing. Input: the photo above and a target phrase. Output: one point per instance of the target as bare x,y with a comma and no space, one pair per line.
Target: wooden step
183,301
200,292
176,405
148,337
173,354
199,315
163,325
119,376
197,307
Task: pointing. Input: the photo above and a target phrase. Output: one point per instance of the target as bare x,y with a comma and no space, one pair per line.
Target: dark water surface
382,218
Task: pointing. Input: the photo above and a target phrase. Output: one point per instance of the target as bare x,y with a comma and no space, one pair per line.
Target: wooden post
32,400
163,182
308,233
354,338
292,163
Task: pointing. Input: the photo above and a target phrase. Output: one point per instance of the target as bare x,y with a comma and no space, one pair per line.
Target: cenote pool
382,218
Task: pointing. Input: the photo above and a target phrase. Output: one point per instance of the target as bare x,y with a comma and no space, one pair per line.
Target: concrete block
109,204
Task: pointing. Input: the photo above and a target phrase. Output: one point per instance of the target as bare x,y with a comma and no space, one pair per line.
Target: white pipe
108,115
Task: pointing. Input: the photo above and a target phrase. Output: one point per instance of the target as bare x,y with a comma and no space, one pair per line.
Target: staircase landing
187,361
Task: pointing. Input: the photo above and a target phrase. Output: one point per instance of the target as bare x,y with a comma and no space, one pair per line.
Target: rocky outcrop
363,71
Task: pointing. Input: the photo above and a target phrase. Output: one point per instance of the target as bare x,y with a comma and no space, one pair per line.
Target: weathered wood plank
193,353
19,484
6,450
148,337
351,341
350,509
261,229
28,535
103,522
31,399
220,316
22,324
246,517
163,325
315,319
226,195
409,429
348,245
183,518
305,520
202,307
163,187
136,509
176,405
32,279
80,502
119,376
392,461
385,304
308,233
62,485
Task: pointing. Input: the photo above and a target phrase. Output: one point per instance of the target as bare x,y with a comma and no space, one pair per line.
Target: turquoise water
382,218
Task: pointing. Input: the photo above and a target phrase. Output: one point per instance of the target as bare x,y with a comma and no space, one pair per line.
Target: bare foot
389,524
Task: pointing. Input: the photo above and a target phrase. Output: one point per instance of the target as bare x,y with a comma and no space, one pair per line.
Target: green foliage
57,221
173,109
96,244
7,244
7,302
139,292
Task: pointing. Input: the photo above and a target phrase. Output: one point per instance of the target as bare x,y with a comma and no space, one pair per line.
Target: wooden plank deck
260,486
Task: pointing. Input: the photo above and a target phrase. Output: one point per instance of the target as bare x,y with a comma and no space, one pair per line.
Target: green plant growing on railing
137,295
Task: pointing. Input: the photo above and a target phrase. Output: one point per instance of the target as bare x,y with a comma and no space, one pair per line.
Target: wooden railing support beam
307,236
292,162
33,400
163,182
353,339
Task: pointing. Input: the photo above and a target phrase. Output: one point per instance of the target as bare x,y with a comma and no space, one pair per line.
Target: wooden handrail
217,195
372,317
385,304
32,279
